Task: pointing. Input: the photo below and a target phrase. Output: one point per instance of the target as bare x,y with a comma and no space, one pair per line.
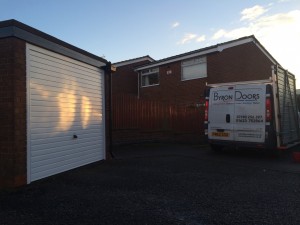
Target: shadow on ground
163,184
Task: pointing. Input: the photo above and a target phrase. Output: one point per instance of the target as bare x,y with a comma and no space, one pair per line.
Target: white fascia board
221,47
124,63
218,48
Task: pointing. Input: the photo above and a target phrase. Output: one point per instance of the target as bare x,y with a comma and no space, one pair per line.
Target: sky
119,30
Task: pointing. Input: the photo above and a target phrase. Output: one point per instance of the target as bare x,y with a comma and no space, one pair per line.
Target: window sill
149,85
194,78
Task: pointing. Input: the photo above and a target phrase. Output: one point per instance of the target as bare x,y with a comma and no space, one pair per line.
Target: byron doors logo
222,97
240,96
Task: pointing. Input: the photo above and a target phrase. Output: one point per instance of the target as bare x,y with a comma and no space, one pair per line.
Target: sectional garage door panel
65,100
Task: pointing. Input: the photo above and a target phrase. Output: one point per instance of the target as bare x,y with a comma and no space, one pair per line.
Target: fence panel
131,113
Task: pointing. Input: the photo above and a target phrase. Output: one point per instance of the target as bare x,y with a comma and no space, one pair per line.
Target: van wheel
216,148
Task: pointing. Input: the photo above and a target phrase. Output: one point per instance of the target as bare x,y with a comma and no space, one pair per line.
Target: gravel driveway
163,184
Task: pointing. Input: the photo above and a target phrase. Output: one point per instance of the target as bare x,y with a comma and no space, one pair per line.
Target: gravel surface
163,184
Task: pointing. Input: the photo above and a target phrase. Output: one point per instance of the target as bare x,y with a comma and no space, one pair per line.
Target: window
150,77
194,68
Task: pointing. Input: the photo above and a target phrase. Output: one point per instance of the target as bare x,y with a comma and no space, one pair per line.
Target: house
124,80
54,103
181,79
170,92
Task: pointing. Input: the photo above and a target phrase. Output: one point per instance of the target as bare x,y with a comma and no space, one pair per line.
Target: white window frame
149,72
192,63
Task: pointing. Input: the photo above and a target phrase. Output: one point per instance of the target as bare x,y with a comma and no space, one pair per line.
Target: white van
260,114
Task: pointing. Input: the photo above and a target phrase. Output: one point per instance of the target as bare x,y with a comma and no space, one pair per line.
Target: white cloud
176,24
219,34
187,38
233,34
282,24
253,13
278,33
281,20
201,38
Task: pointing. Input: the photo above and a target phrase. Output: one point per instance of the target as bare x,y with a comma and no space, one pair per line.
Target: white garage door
65,113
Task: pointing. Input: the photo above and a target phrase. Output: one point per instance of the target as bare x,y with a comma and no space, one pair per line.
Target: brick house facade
180,81
239,60
124,80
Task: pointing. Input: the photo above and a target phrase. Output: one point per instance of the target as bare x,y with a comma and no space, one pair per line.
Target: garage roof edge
135,60
14,28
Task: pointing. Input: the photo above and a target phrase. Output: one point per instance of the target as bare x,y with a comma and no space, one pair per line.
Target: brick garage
29,145
13,112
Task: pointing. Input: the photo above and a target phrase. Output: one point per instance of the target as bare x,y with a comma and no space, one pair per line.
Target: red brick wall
172,89
240,63
13,139
125,80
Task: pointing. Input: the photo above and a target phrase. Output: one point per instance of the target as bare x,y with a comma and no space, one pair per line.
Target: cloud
278,33
201,38
187,38
233,34
279,24
176,24
219,34
279,20
253,13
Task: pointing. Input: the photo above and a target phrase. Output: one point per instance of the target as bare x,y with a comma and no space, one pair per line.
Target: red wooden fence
130,114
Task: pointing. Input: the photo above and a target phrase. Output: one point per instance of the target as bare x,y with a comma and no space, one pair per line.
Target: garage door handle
227,118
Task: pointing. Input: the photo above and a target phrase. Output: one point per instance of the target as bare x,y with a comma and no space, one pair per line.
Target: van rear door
237,113
221,113
249,116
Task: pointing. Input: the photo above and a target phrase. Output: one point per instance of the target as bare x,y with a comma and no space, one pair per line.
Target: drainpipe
138,86
109,69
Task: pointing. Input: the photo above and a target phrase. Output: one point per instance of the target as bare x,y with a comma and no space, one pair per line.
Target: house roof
14,28
204,51
135,60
